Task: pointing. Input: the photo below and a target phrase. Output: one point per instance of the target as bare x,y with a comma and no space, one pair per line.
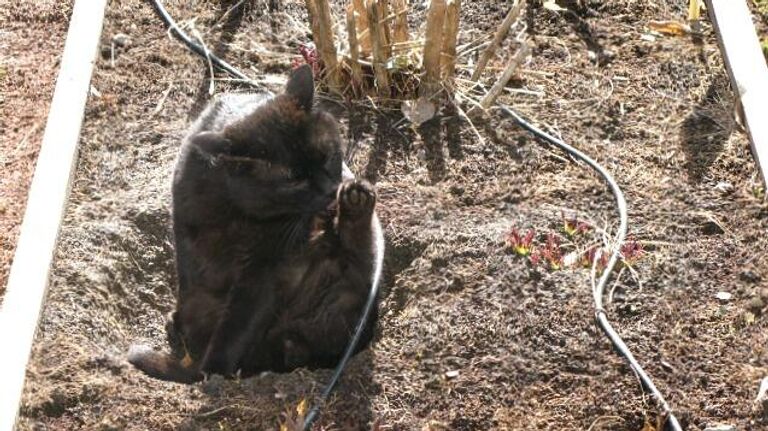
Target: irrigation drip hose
198,48
600,315
314,412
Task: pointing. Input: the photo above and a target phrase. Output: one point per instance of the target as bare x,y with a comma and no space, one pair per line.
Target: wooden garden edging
28,279
747,69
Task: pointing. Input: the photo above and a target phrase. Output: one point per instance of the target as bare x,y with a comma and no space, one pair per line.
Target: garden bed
470,336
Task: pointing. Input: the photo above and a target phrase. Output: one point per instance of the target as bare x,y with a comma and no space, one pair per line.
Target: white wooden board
28,280
747,68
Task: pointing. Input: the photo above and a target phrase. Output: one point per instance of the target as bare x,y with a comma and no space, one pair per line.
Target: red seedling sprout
631,251
589,257
573,226
534,258
520,245
310,57
551,253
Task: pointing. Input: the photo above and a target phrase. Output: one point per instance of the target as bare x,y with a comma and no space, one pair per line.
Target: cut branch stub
354,52
314,23
379,57
509,71
501,33
363,33
400,33
383,25
322,30
433,45
450,36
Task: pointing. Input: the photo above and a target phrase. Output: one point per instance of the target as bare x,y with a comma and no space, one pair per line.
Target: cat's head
287,131
323,146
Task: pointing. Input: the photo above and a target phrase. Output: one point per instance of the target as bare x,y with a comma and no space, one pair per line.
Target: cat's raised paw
357,197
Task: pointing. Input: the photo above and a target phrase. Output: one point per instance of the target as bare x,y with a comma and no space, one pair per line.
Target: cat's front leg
357,200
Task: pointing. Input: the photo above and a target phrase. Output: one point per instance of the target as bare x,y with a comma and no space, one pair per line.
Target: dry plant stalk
694,10
320,13
363,33
378,45
501,33
313,21
450,36
383,25
354,51
400,33
433,45
512,66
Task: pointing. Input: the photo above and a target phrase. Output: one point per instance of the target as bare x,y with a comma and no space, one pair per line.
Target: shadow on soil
706,130
230,16
392,136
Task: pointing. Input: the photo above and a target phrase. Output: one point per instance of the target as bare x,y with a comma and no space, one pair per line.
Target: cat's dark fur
274,250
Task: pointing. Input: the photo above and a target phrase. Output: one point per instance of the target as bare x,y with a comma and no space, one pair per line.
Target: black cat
274,249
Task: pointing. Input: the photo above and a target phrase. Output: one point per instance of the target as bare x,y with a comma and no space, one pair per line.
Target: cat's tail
162,365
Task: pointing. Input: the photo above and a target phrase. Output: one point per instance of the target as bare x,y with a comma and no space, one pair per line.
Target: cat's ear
301,86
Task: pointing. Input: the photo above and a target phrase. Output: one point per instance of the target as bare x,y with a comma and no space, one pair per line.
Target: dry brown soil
31,39
470,337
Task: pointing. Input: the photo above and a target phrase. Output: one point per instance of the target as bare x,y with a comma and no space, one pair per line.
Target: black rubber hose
351,347
197,48
600,315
